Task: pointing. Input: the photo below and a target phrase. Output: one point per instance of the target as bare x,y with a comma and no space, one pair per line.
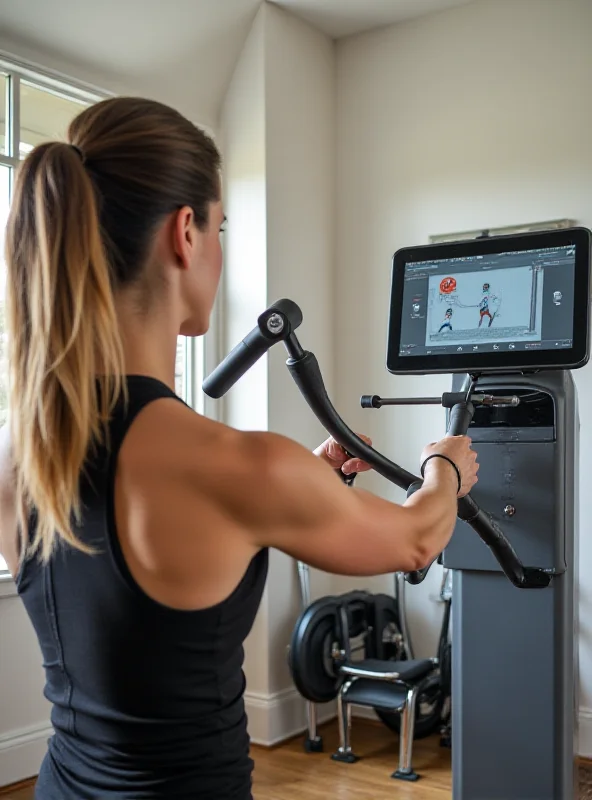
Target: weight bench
388,685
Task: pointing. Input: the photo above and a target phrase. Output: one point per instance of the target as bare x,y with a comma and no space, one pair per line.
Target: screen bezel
504,361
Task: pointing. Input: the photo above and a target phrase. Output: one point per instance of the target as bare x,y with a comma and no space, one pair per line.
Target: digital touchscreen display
514,302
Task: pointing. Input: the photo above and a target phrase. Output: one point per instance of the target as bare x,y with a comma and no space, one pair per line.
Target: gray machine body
514,719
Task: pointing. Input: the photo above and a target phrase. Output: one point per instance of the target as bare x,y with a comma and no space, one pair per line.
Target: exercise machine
513,651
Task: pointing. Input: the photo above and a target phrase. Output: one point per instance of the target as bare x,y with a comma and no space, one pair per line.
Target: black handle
492,535
461,415
307,376
236,363
277,323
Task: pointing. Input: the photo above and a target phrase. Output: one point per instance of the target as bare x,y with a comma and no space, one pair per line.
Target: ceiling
181,50
339,18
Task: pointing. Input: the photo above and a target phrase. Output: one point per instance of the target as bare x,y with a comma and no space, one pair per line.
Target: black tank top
147,701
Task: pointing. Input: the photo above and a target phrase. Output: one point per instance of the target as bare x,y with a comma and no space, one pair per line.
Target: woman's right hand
457,449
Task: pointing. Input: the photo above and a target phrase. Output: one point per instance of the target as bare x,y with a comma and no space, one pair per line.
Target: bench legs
406,771
344,751
313,742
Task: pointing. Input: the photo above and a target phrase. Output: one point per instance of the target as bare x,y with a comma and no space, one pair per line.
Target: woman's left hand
337,458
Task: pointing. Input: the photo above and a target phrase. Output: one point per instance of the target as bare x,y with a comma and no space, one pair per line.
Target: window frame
201,354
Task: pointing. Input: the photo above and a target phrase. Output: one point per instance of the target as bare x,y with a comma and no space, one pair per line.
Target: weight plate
309,657
314,641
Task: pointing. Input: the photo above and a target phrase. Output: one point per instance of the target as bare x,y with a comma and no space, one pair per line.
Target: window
36,107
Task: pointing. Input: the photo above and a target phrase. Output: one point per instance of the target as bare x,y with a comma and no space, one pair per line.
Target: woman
138,531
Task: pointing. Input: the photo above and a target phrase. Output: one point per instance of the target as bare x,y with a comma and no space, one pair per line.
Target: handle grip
277,323
461,415
237,362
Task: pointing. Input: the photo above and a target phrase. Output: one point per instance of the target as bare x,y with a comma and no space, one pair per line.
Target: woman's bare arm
290,500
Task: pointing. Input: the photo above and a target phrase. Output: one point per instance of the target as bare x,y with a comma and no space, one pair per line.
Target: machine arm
278,323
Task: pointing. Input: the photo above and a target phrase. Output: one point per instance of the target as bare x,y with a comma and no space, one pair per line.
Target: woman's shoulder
172,439
169,443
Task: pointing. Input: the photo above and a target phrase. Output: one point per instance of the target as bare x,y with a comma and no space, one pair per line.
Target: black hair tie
450,461
78,152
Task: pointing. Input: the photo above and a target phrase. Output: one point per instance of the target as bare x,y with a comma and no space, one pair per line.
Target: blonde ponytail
80,230
65,352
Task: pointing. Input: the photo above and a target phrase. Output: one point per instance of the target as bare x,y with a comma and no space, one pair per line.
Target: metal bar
495,401
356,672
403,401
344,722
406,734
311,708
311,719
402,607
373,401
410,401
304,576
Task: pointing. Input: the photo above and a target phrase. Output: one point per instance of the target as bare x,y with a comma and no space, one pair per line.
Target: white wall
476,117
278,142
300,130
245,271
24,712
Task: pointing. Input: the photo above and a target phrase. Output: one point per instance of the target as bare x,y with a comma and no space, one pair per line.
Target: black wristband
450,461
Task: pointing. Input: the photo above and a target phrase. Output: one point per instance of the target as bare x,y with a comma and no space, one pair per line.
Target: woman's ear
186,237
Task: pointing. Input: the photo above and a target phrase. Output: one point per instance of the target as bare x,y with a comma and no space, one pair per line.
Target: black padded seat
408,671
376,694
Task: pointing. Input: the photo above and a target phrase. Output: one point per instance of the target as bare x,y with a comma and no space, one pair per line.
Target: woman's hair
81,225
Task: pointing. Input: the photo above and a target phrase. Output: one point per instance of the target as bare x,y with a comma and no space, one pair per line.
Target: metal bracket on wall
508,230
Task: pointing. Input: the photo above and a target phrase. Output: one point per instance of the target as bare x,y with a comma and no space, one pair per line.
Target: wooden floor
287,773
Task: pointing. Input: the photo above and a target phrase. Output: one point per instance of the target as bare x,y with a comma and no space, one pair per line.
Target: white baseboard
279,716
22,751
585,733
